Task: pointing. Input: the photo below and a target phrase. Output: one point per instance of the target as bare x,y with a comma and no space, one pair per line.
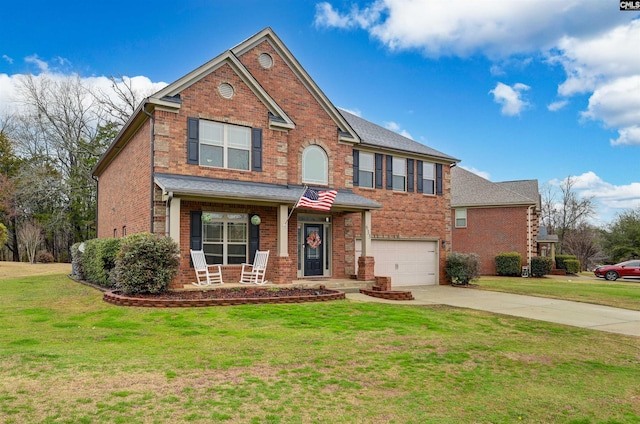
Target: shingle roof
255,192
377,136
469,189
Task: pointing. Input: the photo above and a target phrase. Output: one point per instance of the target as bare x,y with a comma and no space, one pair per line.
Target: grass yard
624,293
68,357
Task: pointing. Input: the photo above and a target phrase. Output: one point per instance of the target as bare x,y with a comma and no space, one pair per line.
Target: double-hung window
224,145
461,218
366,169
428,178
399,174
225,237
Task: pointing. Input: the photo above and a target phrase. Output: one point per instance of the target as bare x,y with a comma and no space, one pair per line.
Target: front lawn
68,357
584,288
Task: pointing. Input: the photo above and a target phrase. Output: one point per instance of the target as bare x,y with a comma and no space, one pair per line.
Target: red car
628,269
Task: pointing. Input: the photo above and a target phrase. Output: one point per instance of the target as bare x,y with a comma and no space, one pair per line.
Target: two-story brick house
489,218
218,159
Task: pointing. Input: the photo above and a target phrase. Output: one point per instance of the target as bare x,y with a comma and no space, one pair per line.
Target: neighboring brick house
490,218
232,144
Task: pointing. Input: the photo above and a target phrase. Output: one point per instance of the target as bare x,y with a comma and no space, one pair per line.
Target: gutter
529,237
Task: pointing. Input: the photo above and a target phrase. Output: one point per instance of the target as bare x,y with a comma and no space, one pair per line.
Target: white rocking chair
254,274
207,275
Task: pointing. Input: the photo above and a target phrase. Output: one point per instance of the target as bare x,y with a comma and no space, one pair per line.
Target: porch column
283,230
366,262
174,220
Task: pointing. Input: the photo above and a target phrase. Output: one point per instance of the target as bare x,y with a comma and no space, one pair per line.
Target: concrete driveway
577,314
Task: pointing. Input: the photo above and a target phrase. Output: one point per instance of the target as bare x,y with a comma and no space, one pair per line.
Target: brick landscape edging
122,300
389,294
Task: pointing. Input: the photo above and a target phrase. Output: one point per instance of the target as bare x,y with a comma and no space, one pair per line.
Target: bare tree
31,236
583,243
563,212
120,104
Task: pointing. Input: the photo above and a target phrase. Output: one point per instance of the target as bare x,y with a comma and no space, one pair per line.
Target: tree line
61,126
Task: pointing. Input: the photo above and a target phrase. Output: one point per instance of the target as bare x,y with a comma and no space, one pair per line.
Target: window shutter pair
378,169
193,150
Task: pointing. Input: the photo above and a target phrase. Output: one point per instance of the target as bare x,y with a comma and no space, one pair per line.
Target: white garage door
408,263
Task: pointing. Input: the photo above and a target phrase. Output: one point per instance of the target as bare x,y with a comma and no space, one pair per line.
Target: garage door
408,263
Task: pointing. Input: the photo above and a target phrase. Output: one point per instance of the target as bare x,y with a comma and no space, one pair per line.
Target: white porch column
283,230
365,232
174,220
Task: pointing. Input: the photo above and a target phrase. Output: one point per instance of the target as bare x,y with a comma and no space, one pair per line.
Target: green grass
68,357
585,288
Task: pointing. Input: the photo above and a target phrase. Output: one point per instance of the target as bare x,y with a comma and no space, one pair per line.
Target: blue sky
533,89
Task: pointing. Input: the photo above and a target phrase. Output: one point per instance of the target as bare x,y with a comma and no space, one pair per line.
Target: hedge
99,259
461,268
146,263
561,259
508,263
541,266
572,266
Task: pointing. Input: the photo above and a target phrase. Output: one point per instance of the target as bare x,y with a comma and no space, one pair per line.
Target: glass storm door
313,249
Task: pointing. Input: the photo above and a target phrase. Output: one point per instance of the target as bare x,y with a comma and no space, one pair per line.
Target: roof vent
226,90
265,60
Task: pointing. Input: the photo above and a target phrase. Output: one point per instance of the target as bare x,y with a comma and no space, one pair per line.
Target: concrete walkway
577,314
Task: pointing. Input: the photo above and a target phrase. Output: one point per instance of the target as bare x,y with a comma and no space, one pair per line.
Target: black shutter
195,232
420,182
256,149
389,172
356,168
410,179
379,160
254,240
439,179
192,141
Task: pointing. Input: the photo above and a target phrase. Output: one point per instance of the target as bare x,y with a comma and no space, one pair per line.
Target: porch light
255,220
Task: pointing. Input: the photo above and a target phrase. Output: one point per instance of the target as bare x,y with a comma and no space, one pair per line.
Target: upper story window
461,218
315,166
428,178
224,145
366,169
399,174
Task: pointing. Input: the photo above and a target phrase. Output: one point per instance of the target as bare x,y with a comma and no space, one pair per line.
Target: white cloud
591,39
511,98
7,59
396,128
35,60
608,198
555,106
476,171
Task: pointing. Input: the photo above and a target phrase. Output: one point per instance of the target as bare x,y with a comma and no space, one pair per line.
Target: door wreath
313,240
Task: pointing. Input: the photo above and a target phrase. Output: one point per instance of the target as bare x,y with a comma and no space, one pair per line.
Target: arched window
315,166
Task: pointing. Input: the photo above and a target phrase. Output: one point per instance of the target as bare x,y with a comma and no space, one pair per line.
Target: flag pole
304,190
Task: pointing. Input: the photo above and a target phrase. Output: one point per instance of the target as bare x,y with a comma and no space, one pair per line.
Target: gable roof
379,137
469,190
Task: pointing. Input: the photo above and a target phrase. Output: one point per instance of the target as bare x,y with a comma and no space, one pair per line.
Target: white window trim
225,145
429,181
402,172
462,211
361,168
243,218
324,179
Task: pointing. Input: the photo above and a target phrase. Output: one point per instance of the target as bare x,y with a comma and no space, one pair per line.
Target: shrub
76,261
541,266
146,263
44,257
572,266
99,259
461,268
561,259
508,263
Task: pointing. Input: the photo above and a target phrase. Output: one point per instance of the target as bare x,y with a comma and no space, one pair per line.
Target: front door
313,249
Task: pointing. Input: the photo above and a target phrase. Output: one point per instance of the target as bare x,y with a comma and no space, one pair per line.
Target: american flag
320,200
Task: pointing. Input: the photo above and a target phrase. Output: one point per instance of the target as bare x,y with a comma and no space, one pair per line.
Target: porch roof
229,190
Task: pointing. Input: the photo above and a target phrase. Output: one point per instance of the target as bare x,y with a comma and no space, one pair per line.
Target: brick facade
125,190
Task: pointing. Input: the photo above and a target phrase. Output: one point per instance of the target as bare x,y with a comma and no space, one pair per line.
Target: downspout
94,178
168,220
529,236
152,165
